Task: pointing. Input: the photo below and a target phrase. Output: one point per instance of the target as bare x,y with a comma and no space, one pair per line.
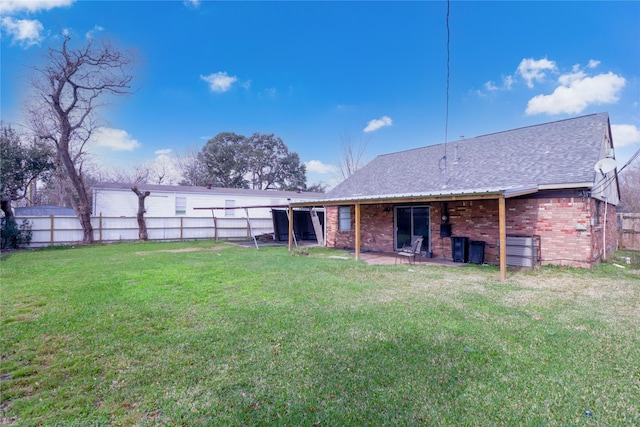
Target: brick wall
376,230
563,223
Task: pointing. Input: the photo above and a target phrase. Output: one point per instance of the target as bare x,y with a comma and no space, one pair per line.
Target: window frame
178,205
344,217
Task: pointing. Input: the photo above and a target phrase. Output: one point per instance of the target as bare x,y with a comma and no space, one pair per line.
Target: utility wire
606,183
446,114
446,119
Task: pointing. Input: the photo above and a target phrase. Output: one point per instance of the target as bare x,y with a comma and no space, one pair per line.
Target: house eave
441,195
565,186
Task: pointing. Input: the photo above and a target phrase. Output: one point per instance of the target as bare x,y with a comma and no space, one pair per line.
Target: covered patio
498,196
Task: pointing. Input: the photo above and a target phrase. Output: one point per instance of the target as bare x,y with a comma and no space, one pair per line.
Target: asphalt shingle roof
556,153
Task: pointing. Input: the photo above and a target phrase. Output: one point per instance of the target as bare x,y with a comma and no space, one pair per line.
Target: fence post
215,225
52,230
181,218
100,226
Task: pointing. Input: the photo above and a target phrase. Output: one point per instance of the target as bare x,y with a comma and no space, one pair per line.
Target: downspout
357,209
604,231
502,226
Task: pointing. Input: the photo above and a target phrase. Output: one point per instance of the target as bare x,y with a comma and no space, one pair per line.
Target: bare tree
352,152
142,225
629,180
193,171
68,90
137,174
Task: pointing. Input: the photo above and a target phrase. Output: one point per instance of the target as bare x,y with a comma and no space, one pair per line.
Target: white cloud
220,81
576,92
164,168
13,6
490,86
376,124
624,135
270,92
531,69
192,3
318,167
25,32
94,30
507,83
575,75
593,63
115,139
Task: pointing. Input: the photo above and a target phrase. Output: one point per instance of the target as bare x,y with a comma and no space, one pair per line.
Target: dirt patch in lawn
176,251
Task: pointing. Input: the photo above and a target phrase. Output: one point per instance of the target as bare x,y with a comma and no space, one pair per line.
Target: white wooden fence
66,230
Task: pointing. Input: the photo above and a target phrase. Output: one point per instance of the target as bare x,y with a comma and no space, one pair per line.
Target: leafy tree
272,166
20,166
261,162
68,90
224,159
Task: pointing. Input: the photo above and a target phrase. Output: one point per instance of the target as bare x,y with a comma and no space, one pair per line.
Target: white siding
121,202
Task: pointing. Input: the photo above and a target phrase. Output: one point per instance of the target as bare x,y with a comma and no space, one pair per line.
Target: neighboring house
536,182
117,199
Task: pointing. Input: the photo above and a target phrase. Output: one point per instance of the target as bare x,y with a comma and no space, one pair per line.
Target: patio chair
410,251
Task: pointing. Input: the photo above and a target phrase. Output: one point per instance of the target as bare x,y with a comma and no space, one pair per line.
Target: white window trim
181,212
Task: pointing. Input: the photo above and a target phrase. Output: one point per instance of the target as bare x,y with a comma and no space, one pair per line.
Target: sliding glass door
412,221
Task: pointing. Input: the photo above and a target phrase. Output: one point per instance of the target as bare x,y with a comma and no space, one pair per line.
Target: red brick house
537,182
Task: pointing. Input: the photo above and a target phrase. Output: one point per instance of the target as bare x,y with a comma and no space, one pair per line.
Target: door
412,221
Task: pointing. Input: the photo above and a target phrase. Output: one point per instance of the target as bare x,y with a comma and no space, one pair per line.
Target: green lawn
148,334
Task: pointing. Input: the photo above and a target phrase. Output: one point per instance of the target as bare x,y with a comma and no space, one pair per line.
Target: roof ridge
491,134
533,126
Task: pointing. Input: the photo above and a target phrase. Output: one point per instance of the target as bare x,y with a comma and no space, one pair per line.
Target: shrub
13,236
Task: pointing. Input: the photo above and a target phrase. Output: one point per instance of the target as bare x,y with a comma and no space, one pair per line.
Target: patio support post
290,228
502,217
357,209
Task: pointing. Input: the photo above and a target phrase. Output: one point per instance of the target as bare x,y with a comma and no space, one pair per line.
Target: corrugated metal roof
558,153
43,210
205,190
505,191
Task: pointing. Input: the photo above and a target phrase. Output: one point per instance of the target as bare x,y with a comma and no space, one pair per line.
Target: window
229,204
596,213
344,218
181,205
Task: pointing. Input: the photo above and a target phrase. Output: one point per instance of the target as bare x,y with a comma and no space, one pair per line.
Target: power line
606,183
446,119
446,114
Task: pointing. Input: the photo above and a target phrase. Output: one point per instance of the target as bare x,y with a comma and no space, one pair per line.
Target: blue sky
318,74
